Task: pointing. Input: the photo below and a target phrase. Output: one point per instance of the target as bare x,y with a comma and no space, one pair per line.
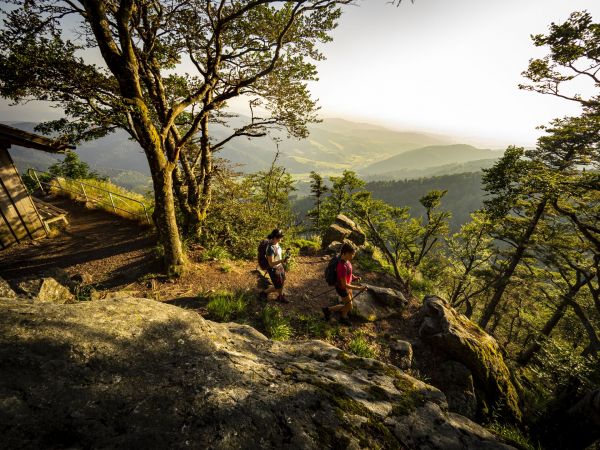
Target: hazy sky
443,66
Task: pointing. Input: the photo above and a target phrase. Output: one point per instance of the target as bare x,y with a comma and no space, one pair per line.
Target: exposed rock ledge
135,373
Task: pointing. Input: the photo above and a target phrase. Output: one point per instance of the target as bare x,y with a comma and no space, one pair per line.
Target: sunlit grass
276,325
226,306
361,347
118,200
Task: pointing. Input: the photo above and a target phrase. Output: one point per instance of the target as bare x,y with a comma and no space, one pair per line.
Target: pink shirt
344,271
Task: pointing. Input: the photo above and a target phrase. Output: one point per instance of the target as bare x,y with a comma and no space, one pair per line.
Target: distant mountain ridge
431,156
333,145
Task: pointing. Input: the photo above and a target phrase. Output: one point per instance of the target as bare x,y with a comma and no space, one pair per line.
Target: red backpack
263,263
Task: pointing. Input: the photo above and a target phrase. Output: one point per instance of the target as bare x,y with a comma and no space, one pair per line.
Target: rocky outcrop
456,381
135,373
341,230
378,303
463,341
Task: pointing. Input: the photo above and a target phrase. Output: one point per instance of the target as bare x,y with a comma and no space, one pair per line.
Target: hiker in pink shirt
343,285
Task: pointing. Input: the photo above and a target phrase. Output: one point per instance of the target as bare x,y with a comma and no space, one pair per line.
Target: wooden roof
14,136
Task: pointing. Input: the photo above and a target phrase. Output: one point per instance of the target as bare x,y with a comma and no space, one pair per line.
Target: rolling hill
450,157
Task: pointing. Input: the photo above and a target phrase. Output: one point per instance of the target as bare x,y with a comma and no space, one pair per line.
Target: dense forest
465,195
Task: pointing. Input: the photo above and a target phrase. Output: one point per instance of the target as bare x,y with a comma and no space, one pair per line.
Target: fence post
112,202
38,180
146,214
84,193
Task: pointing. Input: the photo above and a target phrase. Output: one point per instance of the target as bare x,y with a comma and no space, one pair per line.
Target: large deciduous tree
163,71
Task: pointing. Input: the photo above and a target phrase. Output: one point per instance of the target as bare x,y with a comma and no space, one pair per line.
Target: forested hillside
465,195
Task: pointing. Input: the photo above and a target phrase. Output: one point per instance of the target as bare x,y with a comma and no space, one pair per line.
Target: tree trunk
525,356
502,282
594,345
166,223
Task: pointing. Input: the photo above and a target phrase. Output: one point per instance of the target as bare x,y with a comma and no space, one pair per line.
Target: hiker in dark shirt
344,286
276,270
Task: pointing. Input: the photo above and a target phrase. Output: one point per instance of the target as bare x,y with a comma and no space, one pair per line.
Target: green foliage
226,306
341,196
306,246
513,436
317,190
404,241
276,325
31,183
72,167
245,209
313,326
361,347
215,253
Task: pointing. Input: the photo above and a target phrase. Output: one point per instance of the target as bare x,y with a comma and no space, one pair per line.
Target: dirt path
114,251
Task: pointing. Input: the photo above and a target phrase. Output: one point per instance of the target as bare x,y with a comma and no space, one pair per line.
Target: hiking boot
344,321
326,312
282,299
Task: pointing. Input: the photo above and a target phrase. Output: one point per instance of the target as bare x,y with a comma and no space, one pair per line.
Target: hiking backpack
263,263
331,271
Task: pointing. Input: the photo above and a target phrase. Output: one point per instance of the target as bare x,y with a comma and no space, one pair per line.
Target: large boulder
463,341
334,233
343,229
136,373
378,303
456,382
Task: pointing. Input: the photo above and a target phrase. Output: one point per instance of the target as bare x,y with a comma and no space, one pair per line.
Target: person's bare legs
344,307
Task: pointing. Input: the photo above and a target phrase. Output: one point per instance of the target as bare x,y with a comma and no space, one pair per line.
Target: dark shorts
341,292
277,276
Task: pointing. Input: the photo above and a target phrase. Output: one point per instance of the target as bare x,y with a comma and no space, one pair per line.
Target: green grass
306,246
226,306
276,325
94,191
215,254
513,436
313,325
360,347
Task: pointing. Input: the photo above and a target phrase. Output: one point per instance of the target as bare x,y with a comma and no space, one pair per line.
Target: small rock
5,290
54,292
404,351
61,276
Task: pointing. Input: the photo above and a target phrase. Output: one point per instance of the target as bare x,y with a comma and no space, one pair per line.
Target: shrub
226,306
305,246
513,436
360,347
215,253
276,325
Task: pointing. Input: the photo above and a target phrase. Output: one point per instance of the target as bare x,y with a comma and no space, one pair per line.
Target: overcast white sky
443,66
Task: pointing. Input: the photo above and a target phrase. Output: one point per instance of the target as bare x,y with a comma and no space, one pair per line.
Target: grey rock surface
378,303
456,382
463,341
135,373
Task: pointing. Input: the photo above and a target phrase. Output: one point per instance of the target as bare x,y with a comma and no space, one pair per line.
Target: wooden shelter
19,218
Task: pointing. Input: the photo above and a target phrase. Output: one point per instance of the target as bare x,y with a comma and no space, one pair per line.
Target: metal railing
113,197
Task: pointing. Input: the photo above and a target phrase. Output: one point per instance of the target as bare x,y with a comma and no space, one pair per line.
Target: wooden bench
50,213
